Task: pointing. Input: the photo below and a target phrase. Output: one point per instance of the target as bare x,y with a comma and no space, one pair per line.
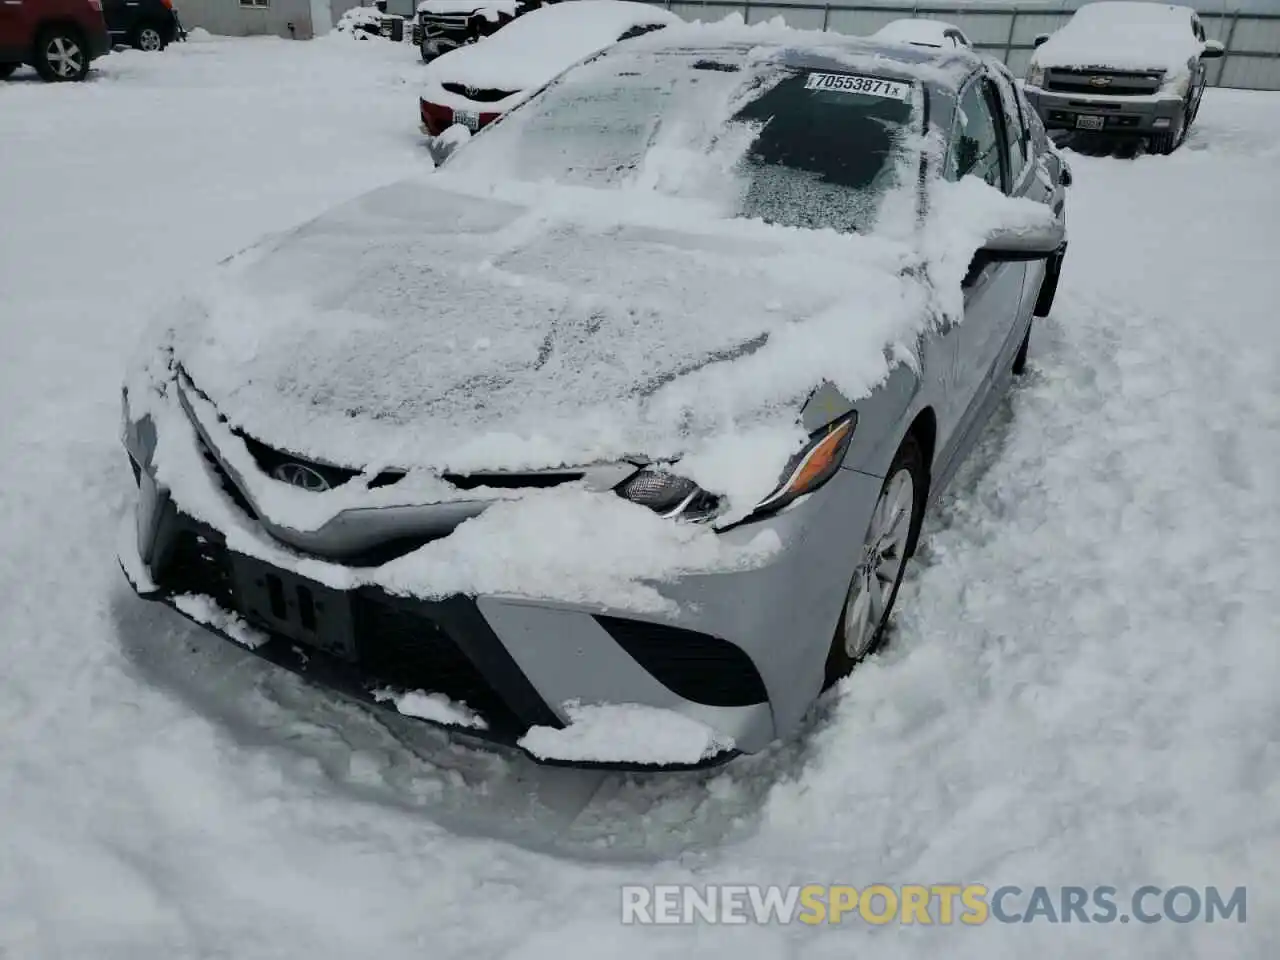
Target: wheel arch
55,24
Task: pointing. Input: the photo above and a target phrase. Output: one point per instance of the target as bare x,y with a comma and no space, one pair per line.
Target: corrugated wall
1252,38
230,18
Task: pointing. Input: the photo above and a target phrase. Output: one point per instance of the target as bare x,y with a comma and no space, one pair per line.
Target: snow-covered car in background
613,442
475,85
1123,68
444,25
923,32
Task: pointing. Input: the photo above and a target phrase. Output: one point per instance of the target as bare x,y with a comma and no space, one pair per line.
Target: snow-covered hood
1123,36
423,328
530,52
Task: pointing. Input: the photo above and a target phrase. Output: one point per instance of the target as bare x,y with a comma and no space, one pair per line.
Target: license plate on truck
468,118
1090,123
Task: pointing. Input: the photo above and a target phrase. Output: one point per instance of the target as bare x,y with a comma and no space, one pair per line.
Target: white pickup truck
1123,68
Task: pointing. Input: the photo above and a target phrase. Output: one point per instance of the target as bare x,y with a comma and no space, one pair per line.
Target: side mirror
1040,39
1025,243
1212,50
1016,246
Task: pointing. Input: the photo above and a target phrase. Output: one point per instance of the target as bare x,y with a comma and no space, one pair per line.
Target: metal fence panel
1007,31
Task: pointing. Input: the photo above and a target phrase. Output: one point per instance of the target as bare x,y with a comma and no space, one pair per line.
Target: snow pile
527,53
562,544
359,19
198,35
625,733
1080,689
435,707
206,610
1123,36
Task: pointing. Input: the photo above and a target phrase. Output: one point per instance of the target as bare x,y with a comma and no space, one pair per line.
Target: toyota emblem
300,475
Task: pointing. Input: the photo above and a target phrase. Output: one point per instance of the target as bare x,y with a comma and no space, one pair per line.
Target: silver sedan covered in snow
610,439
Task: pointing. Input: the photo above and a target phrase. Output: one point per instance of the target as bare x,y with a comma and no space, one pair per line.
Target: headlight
671,496
1035,75
679,498
1177,83
814,465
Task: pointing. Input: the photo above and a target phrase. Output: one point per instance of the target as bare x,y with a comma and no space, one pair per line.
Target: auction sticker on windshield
848,83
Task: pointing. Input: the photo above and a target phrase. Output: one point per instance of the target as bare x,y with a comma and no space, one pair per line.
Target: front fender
883,420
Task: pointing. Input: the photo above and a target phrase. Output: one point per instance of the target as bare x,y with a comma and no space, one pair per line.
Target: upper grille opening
478,94
268,459
1110,82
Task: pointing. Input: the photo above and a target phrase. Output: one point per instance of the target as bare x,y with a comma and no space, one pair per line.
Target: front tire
1166,143
888,544
61,56
148,38
1020,358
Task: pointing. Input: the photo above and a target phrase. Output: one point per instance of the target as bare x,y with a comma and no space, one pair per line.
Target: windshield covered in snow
794,147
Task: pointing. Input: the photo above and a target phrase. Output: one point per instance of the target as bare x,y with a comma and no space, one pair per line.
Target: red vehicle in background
57,37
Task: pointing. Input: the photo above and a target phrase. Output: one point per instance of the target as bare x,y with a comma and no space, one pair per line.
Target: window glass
1017,134
975,143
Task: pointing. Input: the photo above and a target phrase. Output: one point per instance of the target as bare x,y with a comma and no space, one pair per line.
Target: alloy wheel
149,39
883,555
65,57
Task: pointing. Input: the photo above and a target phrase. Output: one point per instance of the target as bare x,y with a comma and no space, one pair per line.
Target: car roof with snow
922,31
817,50
1132,12
531,50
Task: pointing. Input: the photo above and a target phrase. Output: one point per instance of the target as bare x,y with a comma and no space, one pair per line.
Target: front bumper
742,660
1138,115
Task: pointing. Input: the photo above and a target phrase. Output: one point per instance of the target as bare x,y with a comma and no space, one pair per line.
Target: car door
16,28
1201,75
1031,179
993,292
120,16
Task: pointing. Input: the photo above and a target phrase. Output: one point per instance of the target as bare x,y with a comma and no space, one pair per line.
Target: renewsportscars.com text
940,903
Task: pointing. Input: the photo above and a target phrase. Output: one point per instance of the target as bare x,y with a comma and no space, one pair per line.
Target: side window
1017,133
977,143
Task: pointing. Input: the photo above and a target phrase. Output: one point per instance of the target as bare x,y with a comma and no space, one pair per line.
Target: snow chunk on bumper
205,610
625,733
432,707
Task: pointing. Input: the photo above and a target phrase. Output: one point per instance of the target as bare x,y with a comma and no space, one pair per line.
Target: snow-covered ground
1081,689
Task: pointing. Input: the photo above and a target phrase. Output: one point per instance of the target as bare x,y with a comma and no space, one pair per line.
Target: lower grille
199,563
696,666
378,640
403,648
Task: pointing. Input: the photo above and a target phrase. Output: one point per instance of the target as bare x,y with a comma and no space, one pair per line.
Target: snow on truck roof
1123,36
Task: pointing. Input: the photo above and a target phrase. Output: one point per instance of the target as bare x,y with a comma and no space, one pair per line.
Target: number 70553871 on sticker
849,83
